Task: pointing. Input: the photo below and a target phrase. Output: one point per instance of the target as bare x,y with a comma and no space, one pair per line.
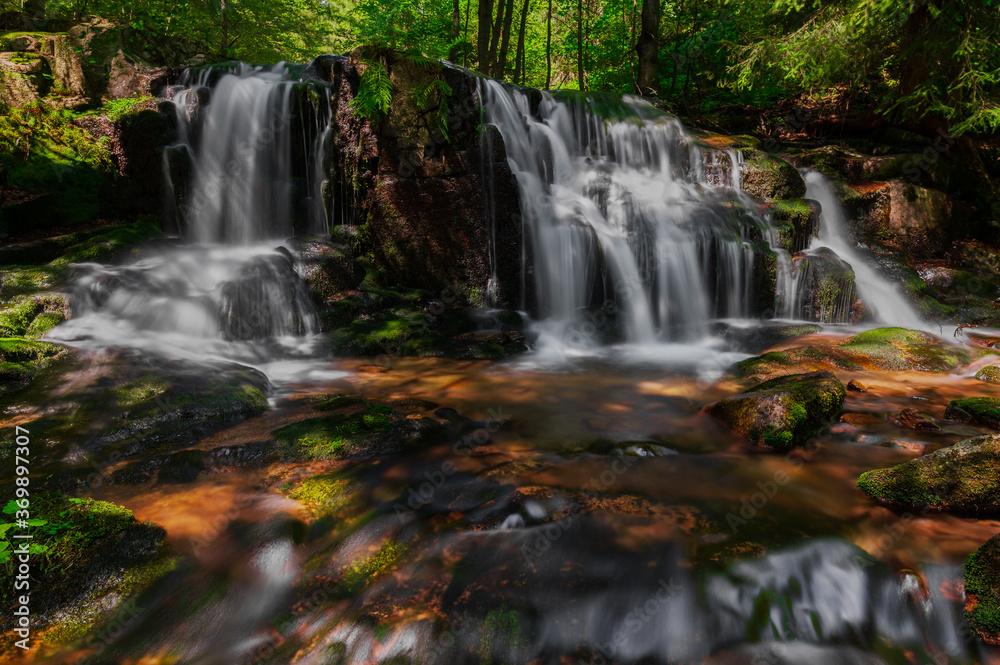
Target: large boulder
981,410
964,477
982,591
783,412
768,178
828,286
415,178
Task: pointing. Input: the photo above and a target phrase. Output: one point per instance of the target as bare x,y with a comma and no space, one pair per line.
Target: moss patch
783,412
82,550
964,477
982,590
352,430
990,374
982,410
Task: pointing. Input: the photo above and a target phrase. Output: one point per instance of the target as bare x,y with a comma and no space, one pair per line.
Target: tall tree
548,48
648,48
495,37
456,18
508,19
483,41
580,73
520,61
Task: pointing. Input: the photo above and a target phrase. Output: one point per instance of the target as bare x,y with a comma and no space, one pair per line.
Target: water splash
886,299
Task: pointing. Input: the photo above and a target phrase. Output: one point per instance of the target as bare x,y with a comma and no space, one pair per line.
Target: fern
424,96
374,96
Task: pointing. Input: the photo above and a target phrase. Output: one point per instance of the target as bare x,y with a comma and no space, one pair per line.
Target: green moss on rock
85,556
981,410
990,374
351,430
783,412
964,477
982,590
15,320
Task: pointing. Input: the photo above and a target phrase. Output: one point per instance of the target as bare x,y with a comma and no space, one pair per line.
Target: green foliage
116,109
374,96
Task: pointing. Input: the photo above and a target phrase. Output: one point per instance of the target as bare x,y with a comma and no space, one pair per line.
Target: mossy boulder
964,477
980,410
785,412
989,374
87,557
982,591
769,178
21,360
796,221
327,269
829,281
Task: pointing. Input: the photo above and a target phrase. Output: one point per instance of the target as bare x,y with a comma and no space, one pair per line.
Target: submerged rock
856,386
886,349
990,374
913,419
982,591
980,410
964,477
783,412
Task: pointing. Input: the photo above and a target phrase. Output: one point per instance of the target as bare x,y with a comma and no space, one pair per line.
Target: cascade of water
248,166
623,213
885,298
255,139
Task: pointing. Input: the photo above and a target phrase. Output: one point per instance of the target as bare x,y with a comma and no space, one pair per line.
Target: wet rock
98,557
797,221
357,427
980,410
754,339
856,386
829,282
913,419
982,591
267,299
990,374
964,477
326,268
785,412
769,178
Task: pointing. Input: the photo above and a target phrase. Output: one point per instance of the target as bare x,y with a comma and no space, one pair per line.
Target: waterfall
248,172
886,299
623,214
255,138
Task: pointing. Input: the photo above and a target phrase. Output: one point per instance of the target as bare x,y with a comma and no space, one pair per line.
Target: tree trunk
225,31
648,46
548,48
456,19
483,40
508,19
495,37
519,62
580,74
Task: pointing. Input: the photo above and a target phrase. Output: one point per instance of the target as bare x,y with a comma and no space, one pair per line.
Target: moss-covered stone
762,364
784,412
796,221
982,590
21,360
84,555
989,374
15,320
769,178
964,477
355,427
981,410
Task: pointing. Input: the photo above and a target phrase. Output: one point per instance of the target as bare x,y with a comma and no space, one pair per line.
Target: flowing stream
886,299
681,548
